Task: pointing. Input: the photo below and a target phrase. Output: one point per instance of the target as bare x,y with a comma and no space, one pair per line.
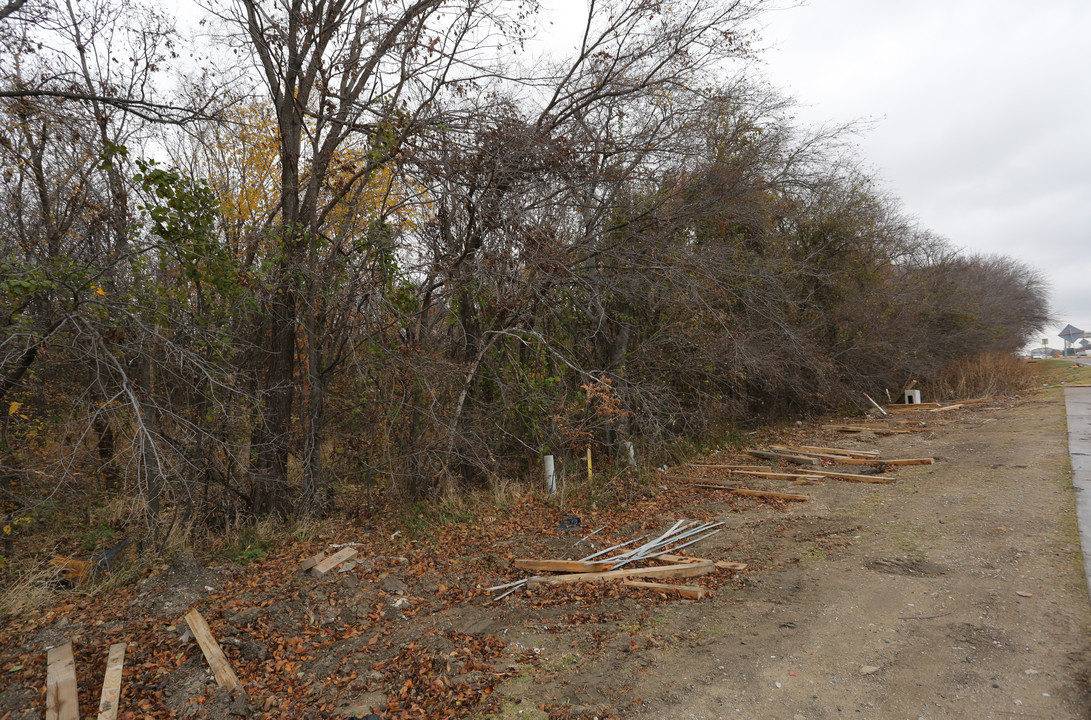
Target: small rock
869,669
1021,593
394,585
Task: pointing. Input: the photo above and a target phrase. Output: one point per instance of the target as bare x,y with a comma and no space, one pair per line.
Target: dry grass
983,375
32,588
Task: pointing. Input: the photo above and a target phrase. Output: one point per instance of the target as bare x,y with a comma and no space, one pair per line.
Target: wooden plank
977,400
61,694
756,493
722,564
805,475
221,668
945,409
797,459
695,592
313,560
342,555
876,429
875,460
853,478
731,467
672,571
568,566
111,683
832,451
911,407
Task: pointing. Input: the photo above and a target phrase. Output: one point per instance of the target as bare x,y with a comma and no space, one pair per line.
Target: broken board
221,668
342,555
566,566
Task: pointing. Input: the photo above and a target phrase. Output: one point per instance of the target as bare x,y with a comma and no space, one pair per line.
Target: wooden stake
695,592
221,668
588,462
61,694
111,683
342,555
672,571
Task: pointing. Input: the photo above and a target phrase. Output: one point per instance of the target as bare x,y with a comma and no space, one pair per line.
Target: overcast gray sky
982,116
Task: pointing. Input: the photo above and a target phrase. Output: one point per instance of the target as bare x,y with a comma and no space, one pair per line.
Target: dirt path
956,593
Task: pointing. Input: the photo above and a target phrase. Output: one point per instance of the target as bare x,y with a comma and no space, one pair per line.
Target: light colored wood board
849,477
769,494
61,693
731,467
342,555
221,668
694,592
671,571
722,564
877,430
875,460
834,451
911,406
111,683
566,566
977,400
797,459
313,560
804,475
686,478
946,408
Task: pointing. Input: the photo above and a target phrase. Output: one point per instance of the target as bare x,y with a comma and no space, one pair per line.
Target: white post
550,476
632,454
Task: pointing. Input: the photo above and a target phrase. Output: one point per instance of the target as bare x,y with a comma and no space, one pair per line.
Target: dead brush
32,588
984,375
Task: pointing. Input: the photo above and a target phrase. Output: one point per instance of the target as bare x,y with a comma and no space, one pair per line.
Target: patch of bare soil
956,592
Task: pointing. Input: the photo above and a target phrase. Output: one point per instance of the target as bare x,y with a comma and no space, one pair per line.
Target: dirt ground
955,592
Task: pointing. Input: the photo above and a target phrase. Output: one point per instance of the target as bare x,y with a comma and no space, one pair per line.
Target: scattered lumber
830,451
111,683
721,564
310,562
61,695
221,668
770,494
946,408
342,555
797,459
696,592
971,402
685,478
669,571
567,566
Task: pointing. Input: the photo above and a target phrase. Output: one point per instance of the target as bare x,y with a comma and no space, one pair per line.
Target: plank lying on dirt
833,451
568,566
903,407
853,478
310,562
221,668
805,475
877,430
757,493
946,408
722,564
971,402
841,460
61,696
731,467
671,571
696,592
797,459
111,683
686,478
342,555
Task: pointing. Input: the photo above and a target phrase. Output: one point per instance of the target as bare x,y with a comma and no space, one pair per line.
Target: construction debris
803,449
61,695
111,683
342,555
695,592
797,459
878,430
221,668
